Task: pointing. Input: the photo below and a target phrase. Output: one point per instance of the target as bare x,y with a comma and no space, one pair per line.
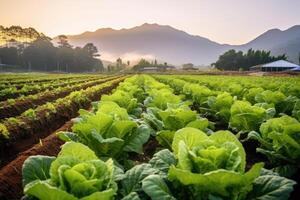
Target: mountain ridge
166,43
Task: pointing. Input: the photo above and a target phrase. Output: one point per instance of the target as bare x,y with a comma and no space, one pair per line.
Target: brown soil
11,174
23,105
25,136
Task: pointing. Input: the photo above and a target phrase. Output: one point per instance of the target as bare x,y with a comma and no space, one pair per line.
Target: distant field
161,136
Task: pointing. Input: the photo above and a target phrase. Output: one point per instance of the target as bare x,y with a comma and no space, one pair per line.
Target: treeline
42,55
237,60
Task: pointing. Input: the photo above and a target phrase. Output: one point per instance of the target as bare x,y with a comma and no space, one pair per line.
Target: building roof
296,69
280,63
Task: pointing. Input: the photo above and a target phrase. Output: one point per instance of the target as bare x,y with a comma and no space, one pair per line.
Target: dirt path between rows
11,175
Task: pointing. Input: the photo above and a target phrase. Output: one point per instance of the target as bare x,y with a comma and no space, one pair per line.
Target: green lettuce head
212,164
76,173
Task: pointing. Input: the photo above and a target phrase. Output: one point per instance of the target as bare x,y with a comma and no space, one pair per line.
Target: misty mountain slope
161,42
278,42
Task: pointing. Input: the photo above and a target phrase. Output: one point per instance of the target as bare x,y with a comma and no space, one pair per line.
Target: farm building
277,66
155,68
297,69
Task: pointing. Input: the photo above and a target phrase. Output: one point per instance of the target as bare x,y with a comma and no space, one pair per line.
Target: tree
63,41
91,50
119,63
141,64
237,60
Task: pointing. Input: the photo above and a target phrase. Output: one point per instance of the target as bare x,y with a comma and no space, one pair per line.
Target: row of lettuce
270,117
9,92
14,107
192,161
23,126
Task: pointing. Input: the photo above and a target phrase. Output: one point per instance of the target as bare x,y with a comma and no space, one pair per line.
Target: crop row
11,108
100,159
266,121
14,92
11,79
19,86
34,122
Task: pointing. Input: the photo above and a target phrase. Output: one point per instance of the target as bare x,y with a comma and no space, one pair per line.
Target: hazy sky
224,21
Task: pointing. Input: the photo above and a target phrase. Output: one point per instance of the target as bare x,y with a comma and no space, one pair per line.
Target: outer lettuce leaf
162,161
134,142
190,136
44,191
156,188
220,182
36,168
133,178
271,187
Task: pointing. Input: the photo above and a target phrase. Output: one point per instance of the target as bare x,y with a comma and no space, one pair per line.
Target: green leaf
222,182
68,136
226,136
134,176
44,191
131,196
120,129
36,168
103,195
200,124
190,136
162,160
78,151
270,187
135,142
156,188
165,138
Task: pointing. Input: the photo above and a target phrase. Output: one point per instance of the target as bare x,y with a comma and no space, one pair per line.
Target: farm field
149,137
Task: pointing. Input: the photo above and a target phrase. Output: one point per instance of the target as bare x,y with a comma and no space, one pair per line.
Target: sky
223,21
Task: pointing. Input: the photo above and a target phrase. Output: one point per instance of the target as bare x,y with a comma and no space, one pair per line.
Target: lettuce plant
109,132
76,173
212,164
221,106
210,167
167,122
279,140
245,117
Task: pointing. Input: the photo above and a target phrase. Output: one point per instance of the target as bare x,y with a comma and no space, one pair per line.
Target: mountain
164,43
151,41
15,35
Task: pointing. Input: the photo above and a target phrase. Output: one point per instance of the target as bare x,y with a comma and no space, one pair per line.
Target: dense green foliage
193,157
42,55
236,60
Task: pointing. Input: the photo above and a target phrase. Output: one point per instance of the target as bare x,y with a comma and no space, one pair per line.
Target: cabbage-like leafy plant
210,167
212,164
167,122
109,132
76,173
245,117
280,140
221,106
